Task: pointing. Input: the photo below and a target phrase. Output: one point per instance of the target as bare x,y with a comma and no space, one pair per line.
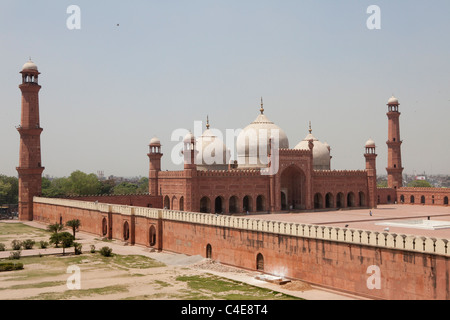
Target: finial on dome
207,122
262,106
310,128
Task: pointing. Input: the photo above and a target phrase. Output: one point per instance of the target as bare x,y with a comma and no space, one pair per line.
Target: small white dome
321,152
30,65
212,152
393,100
155,141
370,143
189,137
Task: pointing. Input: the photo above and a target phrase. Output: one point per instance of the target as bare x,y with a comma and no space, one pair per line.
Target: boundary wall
378,265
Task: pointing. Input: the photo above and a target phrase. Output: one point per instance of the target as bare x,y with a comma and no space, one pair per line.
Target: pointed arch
233,204
181,208
166,202
362,199
260,203
329,200
205,205
126,231
247,204
293,184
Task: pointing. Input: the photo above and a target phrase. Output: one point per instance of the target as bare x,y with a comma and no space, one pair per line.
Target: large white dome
321,152
253,142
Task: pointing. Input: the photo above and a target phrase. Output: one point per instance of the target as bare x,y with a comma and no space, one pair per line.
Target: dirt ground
133,273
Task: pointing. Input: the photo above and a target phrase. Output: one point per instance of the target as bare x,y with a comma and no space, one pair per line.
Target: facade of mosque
268,175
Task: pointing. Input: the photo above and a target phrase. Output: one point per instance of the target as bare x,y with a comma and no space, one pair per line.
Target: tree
4,190
419,184
142,185
66,240
55,228
382,184
74,224
54,188
107,186
9,190
55,239
77,247
78,183
125,188
83,184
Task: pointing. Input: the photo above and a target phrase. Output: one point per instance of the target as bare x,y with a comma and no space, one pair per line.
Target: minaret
191,198
155,156
371,169
394,168
190,152
30,167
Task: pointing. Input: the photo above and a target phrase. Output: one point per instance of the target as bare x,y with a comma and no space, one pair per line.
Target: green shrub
2,247
15,255
16,244
77,247
28,244
43,244
10,266
106,251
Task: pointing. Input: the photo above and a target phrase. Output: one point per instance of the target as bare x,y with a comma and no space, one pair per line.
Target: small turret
154,155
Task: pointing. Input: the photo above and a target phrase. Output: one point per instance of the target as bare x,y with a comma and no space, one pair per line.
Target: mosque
268,175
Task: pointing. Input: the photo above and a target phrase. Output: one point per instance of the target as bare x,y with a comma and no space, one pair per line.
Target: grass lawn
20,231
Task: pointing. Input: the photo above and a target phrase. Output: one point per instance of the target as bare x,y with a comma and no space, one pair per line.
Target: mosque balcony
37,130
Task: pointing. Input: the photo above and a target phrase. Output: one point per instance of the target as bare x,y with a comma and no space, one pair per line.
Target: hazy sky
107,89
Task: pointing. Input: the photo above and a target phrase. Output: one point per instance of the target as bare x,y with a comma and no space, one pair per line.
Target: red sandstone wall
386,196
339,265
345,182
431,196
213,184
91,221
138,200
404,275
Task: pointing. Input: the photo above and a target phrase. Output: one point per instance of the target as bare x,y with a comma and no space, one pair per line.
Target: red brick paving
361,219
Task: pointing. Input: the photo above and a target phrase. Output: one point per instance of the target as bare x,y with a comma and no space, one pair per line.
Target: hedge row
10,266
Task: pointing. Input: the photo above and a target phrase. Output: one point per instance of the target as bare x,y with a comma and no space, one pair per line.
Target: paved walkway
173,259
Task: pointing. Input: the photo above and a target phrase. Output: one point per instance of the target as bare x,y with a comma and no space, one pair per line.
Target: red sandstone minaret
30,167
190,152
155,156
371,169
394,168
192,202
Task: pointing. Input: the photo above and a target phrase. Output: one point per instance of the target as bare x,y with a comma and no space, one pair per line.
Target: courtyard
385,216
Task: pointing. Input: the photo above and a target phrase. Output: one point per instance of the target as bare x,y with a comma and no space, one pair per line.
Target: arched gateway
293,186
